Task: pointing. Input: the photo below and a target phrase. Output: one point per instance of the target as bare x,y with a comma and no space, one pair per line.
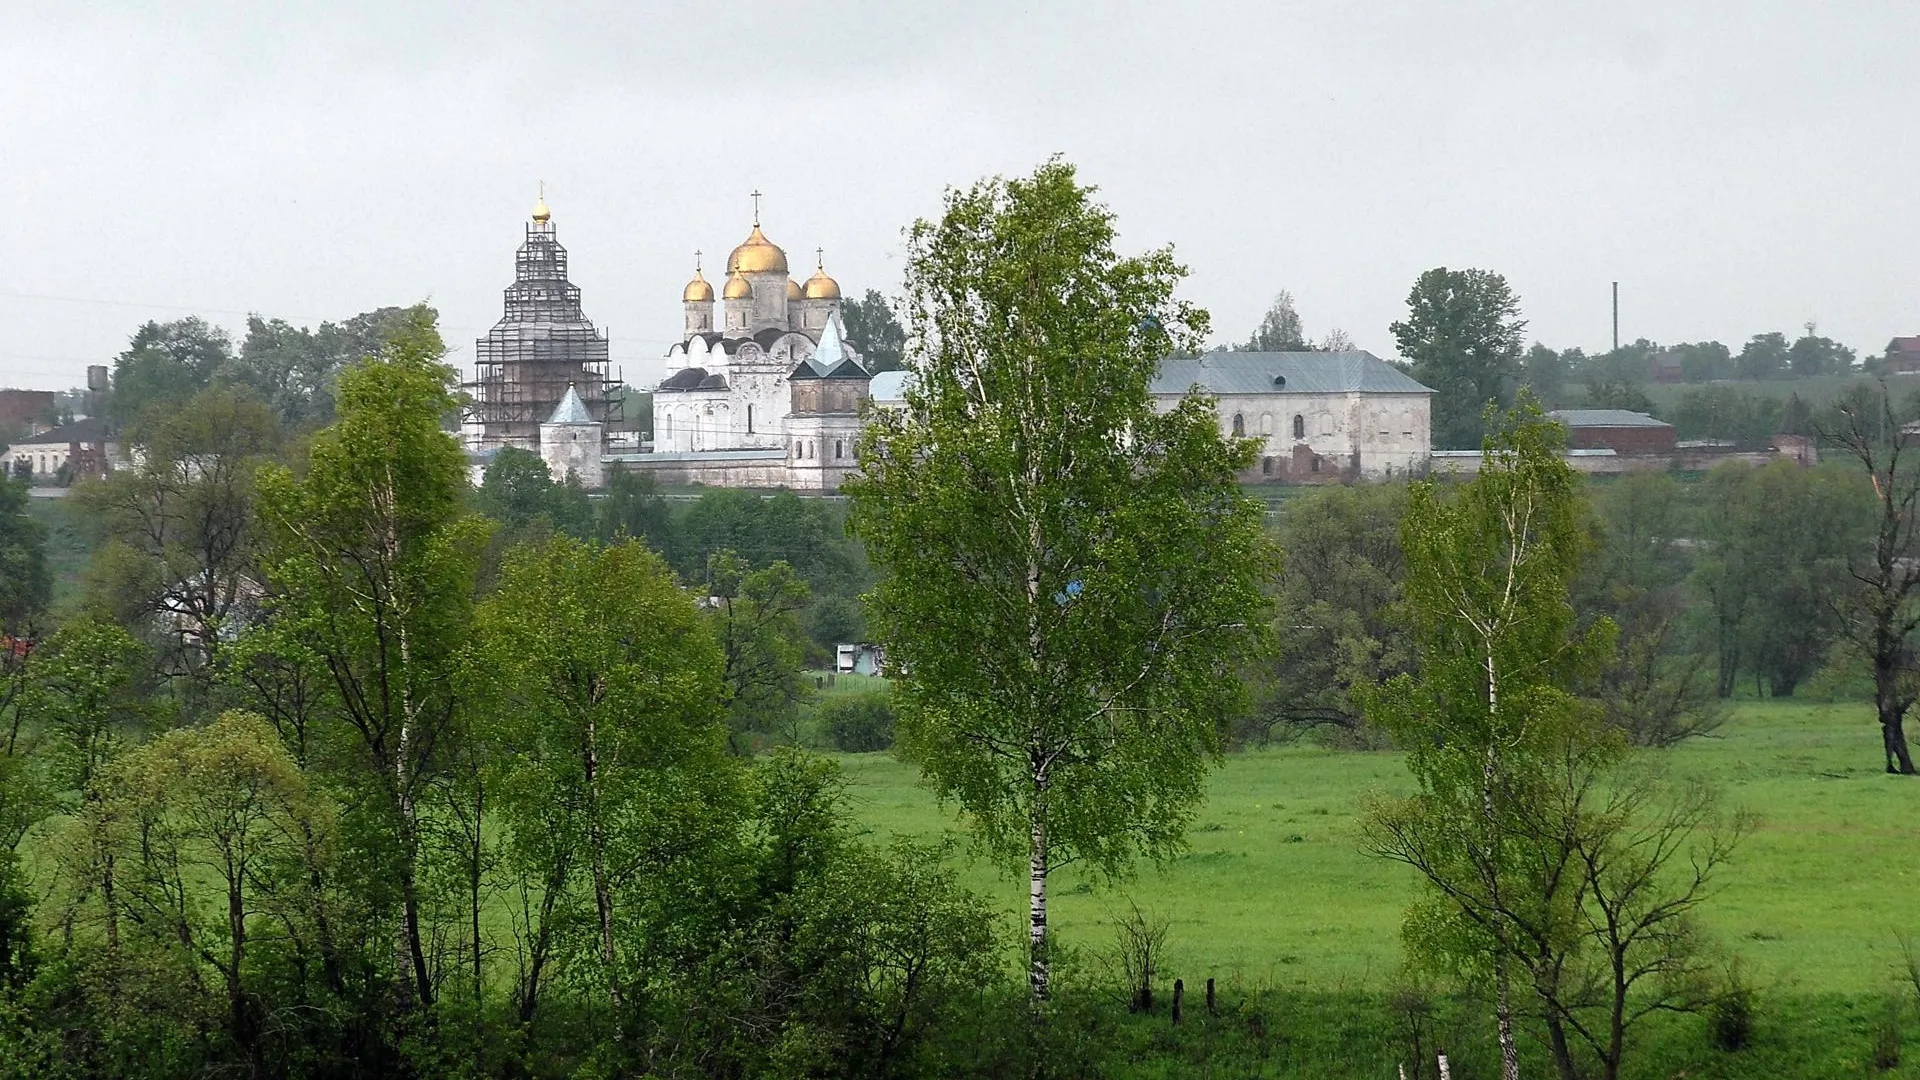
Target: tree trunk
596,843
1503,1017
240,1017
1562,1052
1893,733
1039,968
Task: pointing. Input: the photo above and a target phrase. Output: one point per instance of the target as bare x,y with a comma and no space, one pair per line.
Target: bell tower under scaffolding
542,344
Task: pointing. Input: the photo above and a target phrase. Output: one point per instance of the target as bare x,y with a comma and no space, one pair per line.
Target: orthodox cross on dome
696,260
820,258
756,208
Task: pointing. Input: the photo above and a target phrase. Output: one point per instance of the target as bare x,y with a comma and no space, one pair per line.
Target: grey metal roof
888,386
1285,373
1576,418
86,429
571,409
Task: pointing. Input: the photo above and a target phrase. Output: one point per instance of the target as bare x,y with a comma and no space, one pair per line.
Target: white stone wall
573,447
1392,433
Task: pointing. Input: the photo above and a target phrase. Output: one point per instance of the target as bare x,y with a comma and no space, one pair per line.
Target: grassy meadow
1274,891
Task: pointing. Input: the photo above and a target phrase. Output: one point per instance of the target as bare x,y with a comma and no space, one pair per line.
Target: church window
1239,425
1316,463
837,450
1266,466
1299,426
1266,423
749,417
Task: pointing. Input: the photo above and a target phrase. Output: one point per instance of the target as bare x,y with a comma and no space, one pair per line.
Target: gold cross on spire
696,260
819,258
756,208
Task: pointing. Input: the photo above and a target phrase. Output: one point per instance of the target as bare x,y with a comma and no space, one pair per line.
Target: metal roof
1225,373
1582,418
571,409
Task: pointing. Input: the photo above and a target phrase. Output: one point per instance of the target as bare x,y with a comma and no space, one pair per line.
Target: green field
1275,893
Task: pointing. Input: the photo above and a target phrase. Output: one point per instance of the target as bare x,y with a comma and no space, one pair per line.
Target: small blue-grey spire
571,409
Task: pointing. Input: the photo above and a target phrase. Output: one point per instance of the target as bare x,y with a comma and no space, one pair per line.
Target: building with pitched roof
83,448
1319,417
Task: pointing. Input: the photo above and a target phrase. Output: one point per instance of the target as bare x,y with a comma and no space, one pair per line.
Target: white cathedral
767,393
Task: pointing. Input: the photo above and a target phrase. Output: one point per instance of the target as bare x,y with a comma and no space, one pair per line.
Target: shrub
858,723
1730,1015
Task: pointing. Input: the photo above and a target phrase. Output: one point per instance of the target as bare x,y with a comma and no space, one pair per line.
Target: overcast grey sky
1738,166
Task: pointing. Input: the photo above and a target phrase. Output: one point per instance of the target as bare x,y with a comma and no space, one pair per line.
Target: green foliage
181,553
873,329
1337,624
1764,356
296,371
163,366
1777,540
755,616
374,563
1068,573
857,723
1463,334
25,584
1279,330
601,693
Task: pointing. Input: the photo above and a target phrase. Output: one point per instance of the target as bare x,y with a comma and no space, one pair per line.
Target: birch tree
1070,576
1488,572
372,560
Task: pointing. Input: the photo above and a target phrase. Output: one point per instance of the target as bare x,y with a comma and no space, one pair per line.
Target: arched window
749,417
1266,466
1266,423
1299,426
1239,425
837,449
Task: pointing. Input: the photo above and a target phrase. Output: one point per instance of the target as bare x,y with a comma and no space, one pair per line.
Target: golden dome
540,211
757,255
822,287
793,290
697,290
737,288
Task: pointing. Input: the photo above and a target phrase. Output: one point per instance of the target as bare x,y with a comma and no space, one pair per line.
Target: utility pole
1616,316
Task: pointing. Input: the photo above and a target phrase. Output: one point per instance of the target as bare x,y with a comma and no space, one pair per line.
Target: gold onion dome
737,288
540,211
822,287
757,255
793,290
697,290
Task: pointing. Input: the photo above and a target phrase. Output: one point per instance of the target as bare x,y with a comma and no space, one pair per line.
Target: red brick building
1619,430
1903,356
28,408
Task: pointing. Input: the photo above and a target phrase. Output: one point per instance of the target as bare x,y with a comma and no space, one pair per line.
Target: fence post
1179,989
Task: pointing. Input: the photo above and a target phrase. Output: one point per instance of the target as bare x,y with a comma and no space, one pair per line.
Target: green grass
1274,891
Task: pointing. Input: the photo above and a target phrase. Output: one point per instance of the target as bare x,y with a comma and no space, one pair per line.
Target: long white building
1321,417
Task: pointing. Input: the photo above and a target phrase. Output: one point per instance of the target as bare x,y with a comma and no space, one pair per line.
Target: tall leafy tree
1881,609
1280,329
1812,355
373,561
873,329
1069,574
181,521
166,363
1463,334
605,695
1764,356
1487,580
